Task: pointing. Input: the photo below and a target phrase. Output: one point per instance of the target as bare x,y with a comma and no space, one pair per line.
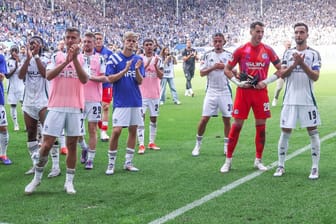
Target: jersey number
2,115
96,110
312,115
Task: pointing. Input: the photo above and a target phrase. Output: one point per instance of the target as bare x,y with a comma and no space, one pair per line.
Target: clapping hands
73,52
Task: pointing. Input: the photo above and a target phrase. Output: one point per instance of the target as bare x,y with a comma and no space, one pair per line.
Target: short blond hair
130,34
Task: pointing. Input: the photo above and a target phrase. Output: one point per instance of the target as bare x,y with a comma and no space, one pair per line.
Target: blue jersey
126,91
105,53
3,70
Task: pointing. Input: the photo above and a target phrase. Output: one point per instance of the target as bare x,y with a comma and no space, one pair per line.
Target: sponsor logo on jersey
130,74
255,65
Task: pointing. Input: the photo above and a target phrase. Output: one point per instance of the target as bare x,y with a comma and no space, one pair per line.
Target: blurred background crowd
170,22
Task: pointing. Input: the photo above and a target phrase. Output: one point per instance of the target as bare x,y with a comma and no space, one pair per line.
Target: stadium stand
196,19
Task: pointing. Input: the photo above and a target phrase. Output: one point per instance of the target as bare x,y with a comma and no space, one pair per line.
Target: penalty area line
231,186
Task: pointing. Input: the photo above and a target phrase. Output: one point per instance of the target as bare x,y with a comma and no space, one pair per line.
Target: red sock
100,123
233,139
104,127
260,140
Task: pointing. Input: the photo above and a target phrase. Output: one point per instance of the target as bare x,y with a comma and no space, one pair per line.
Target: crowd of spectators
166,21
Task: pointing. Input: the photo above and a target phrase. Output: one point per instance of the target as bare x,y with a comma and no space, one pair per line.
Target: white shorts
93,111
152,105
33,112
126,116
73,124
14,97
308,116
3,116
212,104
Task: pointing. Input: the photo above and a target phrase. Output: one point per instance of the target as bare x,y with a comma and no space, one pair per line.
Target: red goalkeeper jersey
254,60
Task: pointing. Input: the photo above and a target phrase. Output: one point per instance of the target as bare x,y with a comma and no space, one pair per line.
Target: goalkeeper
253,59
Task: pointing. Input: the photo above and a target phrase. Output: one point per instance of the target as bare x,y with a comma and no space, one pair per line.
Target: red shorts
107,95
257,99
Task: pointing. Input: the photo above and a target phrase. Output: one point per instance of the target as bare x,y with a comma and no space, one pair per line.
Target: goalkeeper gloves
238,82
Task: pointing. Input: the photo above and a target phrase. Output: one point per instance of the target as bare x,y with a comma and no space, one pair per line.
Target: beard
299,42
88,50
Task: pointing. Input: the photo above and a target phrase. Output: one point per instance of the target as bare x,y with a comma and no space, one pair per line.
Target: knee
116,132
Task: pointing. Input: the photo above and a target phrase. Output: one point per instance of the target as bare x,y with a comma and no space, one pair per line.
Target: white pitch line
231,186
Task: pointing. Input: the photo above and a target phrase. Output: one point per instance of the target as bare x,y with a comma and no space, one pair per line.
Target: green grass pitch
171,178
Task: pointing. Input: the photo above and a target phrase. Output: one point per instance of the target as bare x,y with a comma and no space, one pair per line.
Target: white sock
91,154
283,148
228,160
152,132
4,137
226,141
141,135
70,174
54,153
38,173
13,113
43,160
61,139
315,147
129,155
83,144
32,147
199,140
112,156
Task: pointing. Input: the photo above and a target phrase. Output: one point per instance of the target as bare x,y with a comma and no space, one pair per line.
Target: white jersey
14,83
217,82
168,69
299,87
37,87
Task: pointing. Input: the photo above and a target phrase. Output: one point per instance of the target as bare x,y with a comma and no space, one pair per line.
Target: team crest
264,56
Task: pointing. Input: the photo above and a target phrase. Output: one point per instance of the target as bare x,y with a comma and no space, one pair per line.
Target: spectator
169,60
189,60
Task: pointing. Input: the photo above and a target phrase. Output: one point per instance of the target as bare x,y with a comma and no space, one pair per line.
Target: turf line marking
231,186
